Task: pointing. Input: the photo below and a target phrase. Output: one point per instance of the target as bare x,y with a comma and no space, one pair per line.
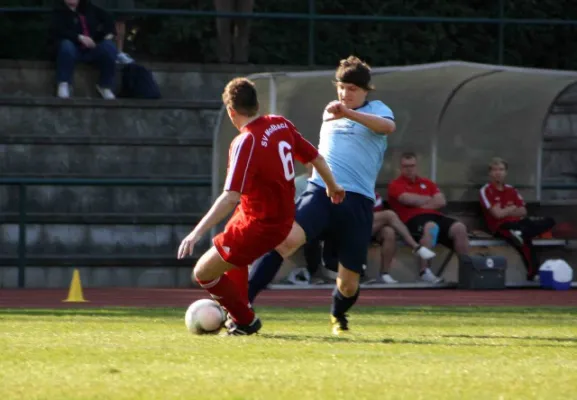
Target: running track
131,297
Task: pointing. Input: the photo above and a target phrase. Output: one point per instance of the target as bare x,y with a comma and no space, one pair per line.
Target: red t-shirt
421,186
491,196
261,168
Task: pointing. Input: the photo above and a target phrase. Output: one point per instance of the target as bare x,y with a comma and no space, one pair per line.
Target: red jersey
379,204
261,168
421,186
492,196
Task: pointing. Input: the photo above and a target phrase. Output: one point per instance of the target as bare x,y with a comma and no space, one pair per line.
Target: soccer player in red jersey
261,177
506,216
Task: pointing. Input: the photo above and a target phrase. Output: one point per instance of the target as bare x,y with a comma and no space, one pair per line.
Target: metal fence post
501,56
312,14
22,235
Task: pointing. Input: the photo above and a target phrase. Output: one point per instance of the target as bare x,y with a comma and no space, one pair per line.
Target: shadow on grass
304,314
545,338
422,342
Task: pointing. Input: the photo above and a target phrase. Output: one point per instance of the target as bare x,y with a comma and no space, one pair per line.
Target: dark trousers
103,56
530,228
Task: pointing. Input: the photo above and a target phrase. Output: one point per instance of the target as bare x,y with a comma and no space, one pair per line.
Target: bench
487,241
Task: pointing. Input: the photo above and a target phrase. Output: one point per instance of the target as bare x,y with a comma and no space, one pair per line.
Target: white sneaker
123,58
299,276
63,91
429,277
386,278
518,236
424,253
105,93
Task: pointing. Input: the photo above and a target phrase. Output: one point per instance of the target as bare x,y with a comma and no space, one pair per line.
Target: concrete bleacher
115,235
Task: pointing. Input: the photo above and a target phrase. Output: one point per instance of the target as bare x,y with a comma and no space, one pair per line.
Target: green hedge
179,39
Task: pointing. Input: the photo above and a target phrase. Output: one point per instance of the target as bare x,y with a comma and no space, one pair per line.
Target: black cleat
234,329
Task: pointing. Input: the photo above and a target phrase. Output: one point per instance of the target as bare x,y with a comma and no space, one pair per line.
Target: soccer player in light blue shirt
353,141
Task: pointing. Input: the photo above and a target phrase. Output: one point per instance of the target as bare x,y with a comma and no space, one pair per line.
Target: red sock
239,276
225,291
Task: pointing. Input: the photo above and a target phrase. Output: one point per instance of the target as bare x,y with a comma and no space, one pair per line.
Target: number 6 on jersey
286,157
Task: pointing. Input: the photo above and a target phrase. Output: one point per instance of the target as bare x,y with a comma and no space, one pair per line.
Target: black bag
138,83
482,272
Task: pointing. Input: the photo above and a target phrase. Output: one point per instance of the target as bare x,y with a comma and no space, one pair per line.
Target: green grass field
394,353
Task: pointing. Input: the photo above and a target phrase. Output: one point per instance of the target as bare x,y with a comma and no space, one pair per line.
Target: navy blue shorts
347,225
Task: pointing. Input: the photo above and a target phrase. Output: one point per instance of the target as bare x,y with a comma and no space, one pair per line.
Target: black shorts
416,224
347,225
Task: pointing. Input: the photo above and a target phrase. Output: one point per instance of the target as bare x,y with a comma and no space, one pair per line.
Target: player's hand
87,41
334,110
337,194
186,247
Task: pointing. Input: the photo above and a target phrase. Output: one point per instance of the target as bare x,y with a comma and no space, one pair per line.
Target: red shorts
244,240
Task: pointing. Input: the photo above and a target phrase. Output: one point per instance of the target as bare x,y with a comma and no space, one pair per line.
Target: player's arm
239,172
413,199
437,201
520,210
324,171
306,153
223,206
489,203
376,123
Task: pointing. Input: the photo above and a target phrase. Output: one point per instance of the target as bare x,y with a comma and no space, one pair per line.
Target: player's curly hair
354,70
240,95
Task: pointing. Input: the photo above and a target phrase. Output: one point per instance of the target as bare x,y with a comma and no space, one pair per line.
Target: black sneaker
244,330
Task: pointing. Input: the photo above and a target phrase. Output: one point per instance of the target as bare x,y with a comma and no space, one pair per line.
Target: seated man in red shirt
506,216
417,201
386,226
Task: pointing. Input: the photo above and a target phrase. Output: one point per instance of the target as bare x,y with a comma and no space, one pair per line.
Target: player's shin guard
224,291
342,304
239,276
262,273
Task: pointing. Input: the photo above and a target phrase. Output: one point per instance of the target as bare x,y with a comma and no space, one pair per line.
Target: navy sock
262,273
342,304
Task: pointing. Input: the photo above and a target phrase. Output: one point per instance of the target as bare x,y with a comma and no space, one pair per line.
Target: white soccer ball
204,316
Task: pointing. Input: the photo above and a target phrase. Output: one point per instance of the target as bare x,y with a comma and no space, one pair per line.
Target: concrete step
107,199
88,160
105,118
105,140
102,218
176,81
113,241
126,272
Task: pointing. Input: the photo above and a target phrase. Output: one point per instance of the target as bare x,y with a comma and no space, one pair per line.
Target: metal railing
312,17
23,184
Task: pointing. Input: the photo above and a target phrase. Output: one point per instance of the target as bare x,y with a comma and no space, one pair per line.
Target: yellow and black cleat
340,325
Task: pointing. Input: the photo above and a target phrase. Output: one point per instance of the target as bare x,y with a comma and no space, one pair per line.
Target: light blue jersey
354,152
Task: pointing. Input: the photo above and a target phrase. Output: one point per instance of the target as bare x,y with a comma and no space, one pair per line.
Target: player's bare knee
293,242
348,288
348,281
458,229
388,233
390,216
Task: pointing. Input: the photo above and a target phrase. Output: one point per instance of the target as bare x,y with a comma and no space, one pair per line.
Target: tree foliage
193,39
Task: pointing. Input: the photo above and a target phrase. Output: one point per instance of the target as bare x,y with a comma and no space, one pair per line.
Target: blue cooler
555,275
